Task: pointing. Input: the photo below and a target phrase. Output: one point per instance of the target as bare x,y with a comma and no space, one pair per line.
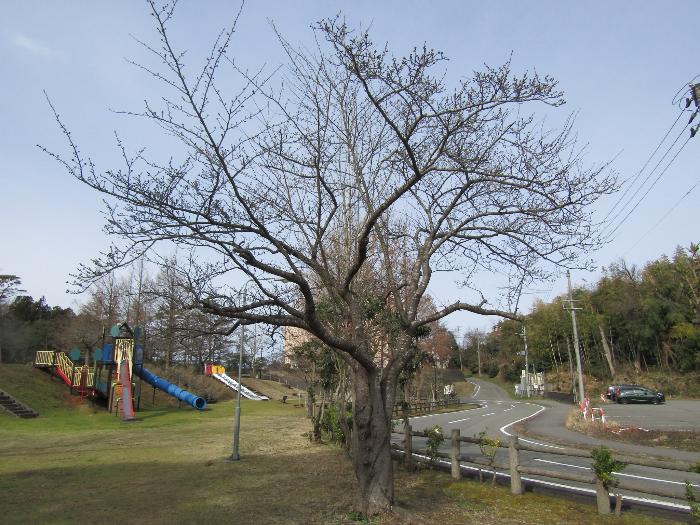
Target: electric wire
610,235
663,218
646,179
639,173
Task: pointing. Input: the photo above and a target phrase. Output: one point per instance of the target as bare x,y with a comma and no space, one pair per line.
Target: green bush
692,502
511,372
604,465
435,440
330,424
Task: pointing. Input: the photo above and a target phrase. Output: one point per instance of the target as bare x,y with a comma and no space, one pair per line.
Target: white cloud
34,47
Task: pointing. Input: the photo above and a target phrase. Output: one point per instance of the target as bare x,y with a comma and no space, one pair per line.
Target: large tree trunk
371,443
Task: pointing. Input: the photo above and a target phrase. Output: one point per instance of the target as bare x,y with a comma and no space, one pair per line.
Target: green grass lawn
78,464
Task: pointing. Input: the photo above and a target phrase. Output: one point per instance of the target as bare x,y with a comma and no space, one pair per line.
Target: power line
646,179
638,174
662,218
648,190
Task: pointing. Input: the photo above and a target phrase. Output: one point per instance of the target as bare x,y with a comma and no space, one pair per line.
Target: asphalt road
498,414
673,415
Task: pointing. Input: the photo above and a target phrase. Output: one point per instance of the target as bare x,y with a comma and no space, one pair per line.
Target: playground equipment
111,376
219,372
173,390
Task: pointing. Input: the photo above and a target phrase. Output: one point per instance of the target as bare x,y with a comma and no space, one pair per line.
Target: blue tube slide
174,390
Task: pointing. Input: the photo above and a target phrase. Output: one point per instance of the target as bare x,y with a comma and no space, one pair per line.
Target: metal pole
255,346
581,391
527,369
459,349
236,434
478,352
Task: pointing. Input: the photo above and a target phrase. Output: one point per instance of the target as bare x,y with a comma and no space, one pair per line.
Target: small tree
605,465
489,448
315,361
435,439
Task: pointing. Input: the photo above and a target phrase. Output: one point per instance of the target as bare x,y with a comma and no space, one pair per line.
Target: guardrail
421,407
515,469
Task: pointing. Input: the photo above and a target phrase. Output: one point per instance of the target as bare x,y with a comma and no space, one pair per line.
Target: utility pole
527,369
572,309
695,93
255,347
478,352
459,349
571,368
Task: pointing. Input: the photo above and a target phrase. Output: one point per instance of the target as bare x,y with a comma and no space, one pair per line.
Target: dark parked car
639,394
613,390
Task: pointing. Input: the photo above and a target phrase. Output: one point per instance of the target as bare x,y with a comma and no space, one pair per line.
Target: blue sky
620,64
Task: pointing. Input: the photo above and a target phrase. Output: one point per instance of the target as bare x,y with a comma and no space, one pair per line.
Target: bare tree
349,145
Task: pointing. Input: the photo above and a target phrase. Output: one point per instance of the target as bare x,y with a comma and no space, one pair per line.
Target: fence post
408,448
602,497
516,484
456,453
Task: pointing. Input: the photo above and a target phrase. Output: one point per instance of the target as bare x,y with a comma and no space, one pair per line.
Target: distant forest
632,318
173,332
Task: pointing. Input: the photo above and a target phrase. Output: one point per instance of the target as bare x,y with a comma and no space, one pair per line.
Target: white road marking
504,427
561,464
458,420
624,474
489,414
476,391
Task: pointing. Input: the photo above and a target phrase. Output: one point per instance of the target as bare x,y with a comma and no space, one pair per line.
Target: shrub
435,440
489,447
604,465
692,502
331,424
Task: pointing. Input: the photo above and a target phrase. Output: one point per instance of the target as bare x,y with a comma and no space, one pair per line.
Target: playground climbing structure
112,374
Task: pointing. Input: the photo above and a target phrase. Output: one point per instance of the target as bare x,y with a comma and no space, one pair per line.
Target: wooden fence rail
515,469
419,407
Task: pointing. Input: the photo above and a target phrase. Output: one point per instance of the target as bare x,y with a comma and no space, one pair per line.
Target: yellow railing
78,376
64,363
44,358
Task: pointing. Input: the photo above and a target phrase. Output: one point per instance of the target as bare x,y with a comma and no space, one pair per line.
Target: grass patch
273,389
170,467
508,386
435,498
464,389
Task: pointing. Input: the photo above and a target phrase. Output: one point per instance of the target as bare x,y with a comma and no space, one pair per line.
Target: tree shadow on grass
267,489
